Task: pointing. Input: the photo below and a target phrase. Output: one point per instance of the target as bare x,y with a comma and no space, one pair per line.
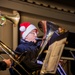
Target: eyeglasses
34,33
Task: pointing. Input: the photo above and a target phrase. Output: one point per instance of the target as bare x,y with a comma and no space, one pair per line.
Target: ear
26,37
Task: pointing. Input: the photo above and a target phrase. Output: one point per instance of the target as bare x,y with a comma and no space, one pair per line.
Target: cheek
31,37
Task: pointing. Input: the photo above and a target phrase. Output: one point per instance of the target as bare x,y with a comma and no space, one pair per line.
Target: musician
29,46
4,64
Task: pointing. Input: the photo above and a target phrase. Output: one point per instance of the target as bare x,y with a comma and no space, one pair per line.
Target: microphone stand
60,70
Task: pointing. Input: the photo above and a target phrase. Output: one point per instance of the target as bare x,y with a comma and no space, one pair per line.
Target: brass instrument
11,54
48,28
13,18
2,20
55,47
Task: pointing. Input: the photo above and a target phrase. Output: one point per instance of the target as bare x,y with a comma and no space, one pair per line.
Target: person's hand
45,51
8,62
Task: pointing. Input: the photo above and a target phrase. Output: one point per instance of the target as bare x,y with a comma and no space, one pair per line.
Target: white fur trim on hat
28,30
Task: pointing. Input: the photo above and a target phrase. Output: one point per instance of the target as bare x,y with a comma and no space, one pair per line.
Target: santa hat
26,28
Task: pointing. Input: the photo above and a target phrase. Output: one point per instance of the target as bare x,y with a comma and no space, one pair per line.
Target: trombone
11,54
15,19
11,66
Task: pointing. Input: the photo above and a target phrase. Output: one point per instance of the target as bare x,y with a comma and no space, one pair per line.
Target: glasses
34,33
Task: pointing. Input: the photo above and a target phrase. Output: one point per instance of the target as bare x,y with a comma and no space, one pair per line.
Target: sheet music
53,56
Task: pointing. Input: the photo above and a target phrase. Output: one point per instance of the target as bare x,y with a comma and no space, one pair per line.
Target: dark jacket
31,49
28,60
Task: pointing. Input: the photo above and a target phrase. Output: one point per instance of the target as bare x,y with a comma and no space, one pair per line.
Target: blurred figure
6,63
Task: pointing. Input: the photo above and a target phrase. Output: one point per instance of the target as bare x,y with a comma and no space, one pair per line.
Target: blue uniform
30,51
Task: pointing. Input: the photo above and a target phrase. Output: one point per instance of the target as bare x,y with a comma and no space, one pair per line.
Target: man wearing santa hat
29,46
